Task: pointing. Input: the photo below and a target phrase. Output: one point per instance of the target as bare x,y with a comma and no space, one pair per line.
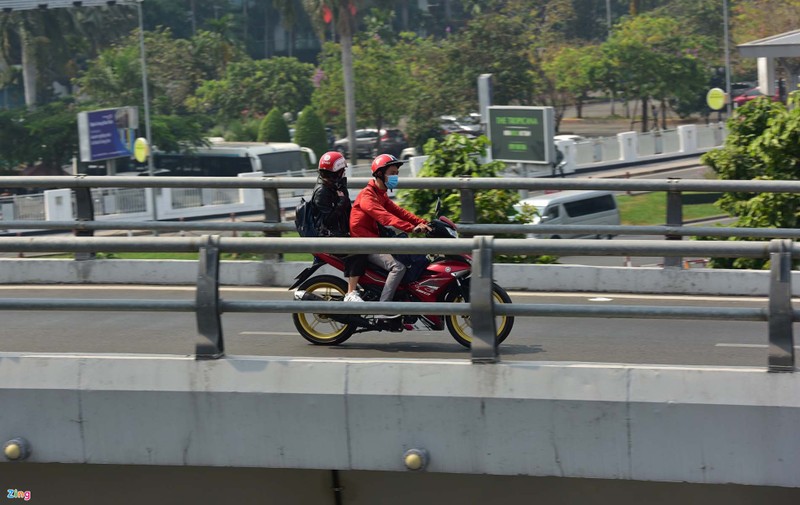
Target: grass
651,209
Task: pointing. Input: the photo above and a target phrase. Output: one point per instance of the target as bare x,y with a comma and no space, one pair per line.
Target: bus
222,159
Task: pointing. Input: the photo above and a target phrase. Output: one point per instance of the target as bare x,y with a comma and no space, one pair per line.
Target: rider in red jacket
373,207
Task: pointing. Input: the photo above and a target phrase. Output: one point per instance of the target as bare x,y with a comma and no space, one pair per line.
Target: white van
586,208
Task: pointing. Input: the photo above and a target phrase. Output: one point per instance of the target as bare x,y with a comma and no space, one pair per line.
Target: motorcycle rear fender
306,273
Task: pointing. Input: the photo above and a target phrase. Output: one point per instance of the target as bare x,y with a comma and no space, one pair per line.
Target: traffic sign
716,98
141,149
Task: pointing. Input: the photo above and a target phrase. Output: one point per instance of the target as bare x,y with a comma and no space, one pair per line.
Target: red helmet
383,161
332,162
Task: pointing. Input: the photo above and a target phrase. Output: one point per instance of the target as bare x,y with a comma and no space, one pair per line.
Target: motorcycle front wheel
321,329
460,326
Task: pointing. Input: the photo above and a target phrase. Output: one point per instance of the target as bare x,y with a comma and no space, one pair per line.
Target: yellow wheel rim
320,326
463,323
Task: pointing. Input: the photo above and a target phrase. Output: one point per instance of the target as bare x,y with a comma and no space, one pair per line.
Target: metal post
272,214
468,213
727,57
207,300
481,302
146,96
781,336
674,218
85,213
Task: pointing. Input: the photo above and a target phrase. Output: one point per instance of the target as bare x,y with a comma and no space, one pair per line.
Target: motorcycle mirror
438,209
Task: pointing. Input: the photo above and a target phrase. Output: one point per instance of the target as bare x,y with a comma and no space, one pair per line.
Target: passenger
332,202
373,208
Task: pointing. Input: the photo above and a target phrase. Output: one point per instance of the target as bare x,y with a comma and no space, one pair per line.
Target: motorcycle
446,278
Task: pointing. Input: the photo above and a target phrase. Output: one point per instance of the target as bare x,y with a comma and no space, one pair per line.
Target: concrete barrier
697,281
583,420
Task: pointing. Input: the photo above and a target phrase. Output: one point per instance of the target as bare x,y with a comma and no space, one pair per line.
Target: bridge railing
208,306
85,222
780,314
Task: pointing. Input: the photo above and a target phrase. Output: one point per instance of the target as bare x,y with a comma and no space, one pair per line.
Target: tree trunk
30,74
404,15
345,27
193,14
579,107
268,34
244,22
644,115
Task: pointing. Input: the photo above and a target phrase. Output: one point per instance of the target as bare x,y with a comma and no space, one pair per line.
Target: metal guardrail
208,306
272,226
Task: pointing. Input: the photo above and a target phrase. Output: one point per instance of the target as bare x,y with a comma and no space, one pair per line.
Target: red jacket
373,206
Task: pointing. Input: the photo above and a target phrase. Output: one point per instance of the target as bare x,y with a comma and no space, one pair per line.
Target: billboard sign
107,134
522,134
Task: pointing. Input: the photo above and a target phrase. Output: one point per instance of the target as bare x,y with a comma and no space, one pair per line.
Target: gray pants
396,272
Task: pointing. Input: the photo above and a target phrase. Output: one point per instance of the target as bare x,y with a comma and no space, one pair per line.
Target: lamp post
146,97
727,58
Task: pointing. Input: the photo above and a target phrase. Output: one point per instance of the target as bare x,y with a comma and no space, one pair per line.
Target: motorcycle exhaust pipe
303,295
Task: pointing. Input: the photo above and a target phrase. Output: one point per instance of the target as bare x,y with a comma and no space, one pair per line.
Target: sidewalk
597,120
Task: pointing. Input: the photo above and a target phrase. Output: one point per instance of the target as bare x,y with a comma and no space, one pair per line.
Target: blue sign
106,134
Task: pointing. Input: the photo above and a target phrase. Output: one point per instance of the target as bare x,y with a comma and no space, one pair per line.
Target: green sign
521,134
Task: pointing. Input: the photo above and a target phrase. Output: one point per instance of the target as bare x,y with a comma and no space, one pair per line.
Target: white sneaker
352,296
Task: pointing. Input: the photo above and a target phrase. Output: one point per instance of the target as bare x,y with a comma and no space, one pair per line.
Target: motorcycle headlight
452,232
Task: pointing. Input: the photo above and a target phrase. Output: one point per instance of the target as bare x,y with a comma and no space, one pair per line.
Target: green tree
48,43
310,132
13,137
764,18
342,13
380,82
763,143
250,88
575,71
459,156
654,59
273,128
175,69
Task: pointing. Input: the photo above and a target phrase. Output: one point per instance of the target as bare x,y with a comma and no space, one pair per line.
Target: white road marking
281,333
748,346
515,294
601,299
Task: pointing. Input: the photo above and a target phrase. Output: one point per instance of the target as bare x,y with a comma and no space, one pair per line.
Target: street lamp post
727,57
146,97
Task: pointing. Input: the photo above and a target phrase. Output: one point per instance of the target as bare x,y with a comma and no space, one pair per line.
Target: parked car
392,141
365,141
453,124
737,88
752,94
408,152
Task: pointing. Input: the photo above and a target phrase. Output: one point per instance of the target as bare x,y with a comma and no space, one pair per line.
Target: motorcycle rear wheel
321,329
460,326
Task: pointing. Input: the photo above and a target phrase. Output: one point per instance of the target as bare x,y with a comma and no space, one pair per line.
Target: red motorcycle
446,278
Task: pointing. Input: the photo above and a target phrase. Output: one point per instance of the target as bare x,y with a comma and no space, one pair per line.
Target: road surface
653,341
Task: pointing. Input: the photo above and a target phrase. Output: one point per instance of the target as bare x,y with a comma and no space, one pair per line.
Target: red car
751,94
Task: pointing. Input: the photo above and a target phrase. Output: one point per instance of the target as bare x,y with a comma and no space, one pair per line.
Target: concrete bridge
92,428
311,430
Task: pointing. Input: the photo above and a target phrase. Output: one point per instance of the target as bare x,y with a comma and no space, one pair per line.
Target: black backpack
306,219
